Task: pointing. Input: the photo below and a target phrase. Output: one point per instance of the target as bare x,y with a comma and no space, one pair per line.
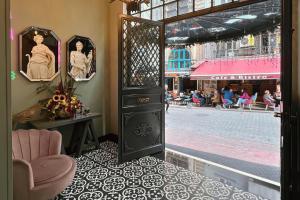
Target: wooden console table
83,127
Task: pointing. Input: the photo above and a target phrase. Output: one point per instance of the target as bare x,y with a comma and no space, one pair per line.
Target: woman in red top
243,98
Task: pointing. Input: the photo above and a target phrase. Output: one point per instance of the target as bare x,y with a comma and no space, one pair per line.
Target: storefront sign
238,77
245,77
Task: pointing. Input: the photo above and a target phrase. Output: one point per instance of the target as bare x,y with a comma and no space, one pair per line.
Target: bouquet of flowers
63,102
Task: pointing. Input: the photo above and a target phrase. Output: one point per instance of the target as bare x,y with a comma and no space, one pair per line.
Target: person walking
167,98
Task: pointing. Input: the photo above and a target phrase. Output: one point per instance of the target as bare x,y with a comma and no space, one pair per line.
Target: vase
61,114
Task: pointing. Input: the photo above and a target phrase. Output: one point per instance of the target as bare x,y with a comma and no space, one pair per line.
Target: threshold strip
227,168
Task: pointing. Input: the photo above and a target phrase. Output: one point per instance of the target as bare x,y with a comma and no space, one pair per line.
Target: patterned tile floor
99,176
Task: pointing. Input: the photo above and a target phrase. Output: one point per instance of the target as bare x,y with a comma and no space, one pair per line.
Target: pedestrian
167,98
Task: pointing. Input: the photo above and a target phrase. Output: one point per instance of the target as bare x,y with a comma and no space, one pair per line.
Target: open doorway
178,173
225,121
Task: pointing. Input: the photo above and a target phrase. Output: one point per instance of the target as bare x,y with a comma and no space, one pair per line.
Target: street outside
252,136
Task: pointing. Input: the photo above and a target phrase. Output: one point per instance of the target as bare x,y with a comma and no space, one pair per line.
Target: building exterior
181,62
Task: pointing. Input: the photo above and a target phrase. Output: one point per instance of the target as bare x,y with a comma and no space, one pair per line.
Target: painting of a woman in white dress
81,64
39,52
41,64
81,58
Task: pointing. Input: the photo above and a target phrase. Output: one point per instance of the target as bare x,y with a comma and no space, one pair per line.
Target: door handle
278,114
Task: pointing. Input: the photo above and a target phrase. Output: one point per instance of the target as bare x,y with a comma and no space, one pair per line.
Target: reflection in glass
171,10
168,1
185,6
202,4
157,13
220,2
146,14
156,3
145,6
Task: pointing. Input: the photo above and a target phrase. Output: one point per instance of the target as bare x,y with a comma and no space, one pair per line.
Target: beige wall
66,18
115,10
296,46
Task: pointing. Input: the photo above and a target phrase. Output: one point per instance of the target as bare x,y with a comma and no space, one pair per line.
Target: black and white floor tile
99,177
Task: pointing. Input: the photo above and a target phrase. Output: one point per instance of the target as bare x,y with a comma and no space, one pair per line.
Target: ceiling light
270,13
196,28
232,21
178,38
247,17
217,29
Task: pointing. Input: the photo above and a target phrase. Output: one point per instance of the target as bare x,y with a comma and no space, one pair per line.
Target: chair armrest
23,180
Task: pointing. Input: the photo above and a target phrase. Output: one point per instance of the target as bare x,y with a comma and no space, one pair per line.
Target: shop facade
251,62
256,75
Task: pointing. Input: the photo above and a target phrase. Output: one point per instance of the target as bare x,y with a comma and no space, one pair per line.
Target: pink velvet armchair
39,171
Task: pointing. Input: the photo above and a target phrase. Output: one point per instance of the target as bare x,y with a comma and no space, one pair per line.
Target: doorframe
6,191
287,161
290,175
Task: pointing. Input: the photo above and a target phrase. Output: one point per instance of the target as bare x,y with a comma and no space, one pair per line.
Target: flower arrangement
63,103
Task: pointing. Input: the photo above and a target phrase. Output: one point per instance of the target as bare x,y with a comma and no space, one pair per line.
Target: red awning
238,69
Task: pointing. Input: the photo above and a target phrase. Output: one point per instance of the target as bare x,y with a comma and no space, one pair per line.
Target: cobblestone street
253,137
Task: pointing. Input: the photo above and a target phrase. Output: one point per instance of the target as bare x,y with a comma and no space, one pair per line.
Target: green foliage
68,85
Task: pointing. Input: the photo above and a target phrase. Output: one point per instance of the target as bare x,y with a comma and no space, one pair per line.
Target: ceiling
226,25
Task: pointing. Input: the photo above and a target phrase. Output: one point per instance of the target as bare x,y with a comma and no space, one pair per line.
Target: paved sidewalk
251,137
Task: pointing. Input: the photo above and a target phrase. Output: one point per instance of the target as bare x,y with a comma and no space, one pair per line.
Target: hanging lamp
133,5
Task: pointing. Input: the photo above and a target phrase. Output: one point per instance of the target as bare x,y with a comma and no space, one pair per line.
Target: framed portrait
81,58
39,54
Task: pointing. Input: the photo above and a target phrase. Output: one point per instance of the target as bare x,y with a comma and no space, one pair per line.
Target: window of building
179,60
162,9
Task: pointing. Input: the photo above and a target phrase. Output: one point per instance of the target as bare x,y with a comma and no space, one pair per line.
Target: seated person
195,94
198,96
228,94
215,98
277,95
268,98
243,98
202,97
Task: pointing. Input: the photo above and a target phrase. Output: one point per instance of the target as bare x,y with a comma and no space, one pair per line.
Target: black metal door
290,139
141,92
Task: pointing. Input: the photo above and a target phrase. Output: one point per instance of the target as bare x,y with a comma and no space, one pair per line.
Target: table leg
83,138
93,131
76,135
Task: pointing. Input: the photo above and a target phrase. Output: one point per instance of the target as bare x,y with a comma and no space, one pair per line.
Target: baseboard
109,137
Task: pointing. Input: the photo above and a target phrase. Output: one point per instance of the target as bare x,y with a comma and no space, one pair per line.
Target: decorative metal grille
141,53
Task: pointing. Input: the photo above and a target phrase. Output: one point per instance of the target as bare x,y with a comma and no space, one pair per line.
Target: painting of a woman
80,63
81,58
41,64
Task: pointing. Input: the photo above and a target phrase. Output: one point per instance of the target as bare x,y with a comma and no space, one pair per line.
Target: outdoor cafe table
83,127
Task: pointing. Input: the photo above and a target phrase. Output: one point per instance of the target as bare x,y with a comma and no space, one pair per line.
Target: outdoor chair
178,101
196,101
269,104
250,102
187,101
225,103
39,171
